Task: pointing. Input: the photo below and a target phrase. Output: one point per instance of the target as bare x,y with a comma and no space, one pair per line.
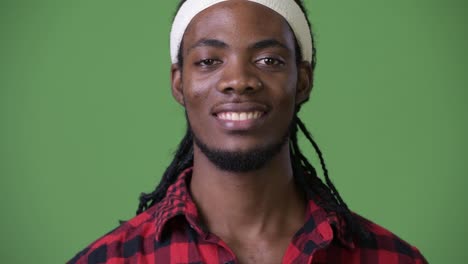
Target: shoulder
382,246
122,242
376,246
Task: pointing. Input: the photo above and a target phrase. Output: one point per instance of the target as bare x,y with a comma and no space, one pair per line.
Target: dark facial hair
241,161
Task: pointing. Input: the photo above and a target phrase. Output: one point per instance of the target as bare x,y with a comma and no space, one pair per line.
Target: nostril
249,89
228,90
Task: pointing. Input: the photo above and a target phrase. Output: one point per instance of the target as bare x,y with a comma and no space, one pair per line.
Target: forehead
238,20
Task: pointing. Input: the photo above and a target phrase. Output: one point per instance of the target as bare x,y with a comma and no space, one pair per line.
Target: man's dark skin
256,212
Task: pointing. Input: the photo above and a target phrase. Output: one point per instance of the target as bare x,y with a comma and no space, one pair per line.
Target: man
239,190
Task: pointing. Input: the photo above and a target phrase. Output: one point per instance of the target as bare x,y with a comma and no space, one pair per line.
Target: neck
256,203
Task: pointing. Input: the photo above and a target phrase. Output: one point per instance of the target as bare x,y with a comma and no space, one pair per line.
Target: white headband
286,8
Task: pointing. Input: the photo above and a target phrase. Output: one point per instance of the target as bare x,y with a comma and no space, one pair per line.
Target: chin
241,159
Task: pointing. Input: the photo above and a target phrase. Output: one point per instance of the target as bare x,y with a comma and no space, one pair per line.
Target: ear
176,84
304,82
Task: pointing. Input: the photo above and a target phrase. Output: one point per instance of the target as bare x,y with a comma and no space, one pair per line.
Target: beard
241,161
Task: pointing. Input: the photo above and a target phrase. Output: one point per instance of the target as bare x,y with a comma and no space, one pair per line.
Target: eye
270,61
207,62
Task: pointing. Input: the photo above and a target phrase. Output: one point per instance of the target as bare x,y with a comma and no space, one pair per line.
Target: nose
239,77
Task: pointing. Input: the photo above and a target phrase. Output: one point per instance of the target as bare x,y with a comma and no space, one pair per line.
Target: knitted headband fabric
286,8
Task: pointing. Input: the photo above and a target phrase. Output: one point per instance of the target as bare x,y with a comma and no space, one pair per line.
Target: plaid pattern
171,232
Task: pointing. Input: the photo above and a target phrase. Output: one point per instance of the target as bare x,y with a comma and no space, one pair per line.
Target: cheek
196,97
195,93
287,101
286,93
288,107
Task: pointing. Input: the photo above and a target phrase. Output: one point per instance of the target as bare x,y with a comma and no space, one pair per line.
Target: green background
88,122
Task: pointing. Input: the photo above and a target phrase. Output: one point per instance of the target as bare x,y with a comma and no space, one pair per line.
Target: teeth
236,116
243,116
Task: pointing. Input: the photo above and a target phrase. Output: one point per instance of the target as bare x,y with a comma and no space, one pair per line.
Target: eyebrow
215,43
268,43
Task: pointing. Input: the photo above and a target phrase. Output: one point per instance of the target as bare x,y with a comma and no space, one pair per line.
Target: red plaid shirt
170,232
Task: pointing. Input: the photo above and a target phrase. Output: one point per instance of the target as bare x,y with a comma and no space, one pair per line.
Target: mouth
239,116
243,116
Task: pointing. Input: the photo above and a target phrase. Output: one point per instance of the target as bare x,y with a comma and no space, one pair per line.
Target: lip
239,107
243,125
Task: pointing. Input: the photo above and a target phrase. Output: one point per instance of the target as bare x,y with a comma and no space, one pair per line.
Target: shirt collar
178,202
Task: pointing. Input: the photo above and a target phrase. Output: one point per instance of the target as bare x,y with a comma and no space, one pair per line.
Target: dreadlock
304,172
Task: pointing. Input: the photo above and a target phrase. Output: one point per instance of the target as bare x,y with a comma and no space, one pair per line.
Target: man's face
240,83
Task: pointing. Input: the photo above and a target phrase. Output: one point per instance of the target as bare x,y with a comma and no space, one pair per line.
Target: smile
239,116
